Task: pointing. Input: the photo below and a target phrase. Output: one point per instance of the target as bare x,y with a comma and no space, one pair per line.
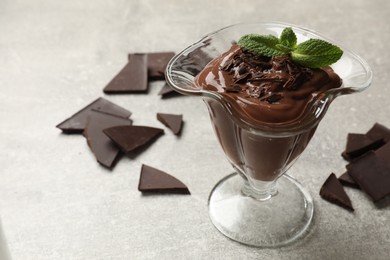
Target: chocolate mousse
268,89
270,93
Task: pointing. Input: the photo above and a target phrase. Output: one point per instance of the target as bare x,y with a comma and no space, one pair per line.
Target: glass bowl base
274,222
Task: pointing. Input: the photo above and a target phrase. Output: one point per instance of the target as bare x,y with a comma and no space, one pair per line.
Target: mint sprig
313,53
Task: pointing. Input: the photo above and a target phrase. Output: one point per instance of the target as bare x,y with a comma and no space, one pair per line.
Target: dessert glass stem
259,190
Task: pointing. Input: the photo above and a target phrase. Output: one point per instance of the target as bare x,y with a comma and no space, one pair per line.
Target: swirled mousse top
267,89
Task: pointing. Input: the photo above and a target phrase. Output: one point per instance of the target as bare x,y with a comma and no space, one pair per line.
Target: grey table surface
57,202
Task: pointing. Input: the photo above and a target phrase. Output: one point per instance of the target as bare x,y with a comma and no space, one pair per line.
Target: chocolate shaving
227,66
267,74
234,88
274,98
242,78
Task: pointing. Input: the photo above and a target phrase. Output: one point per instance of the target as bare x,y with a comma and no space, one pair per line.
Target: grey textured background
56,202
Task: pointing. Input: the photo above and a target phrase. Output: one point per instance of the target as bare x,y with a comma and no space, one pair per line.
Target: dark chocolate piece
77,122
132,78
359,144
346,180
128,138
167,90
154,180
384,152
379,130
333,191
372,174
157,62
173,122
105,151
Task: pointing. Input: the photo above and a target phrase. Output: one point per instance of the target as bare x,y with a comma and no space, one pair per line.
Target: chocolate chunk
157,62
379,130
333,191
166,90
359,144
77,122
372,174
346,180
105,151
384,152
132,78
154,180
173,122
129,137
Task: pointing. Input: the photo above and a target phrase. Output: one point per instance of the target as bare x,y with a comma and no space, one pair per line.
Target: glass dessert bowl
260,204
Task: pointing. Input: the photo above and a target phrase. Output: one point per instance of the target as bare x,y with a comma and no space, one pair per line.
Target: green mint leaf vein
316,53
313,53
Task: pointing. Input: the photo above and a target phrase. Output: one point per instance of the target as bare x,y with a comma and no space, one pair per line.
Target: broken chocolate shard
154,180
156,64
166,90
359,144
379,130
105,151
346,180
372,174
333,191
77,122
173,122
132,78
130,137
384,152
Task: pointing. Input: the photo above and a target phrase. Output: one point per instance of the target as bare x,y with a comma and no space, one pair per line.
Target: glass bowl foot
274,222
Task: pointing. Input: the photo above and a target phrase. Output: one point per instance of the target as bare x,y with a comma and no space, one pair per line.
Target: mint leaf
262,44
288,37
313,53
316,53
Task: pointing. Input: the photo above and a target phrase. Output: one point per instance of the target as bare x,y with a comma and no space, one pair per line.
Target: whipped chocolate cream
270,90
